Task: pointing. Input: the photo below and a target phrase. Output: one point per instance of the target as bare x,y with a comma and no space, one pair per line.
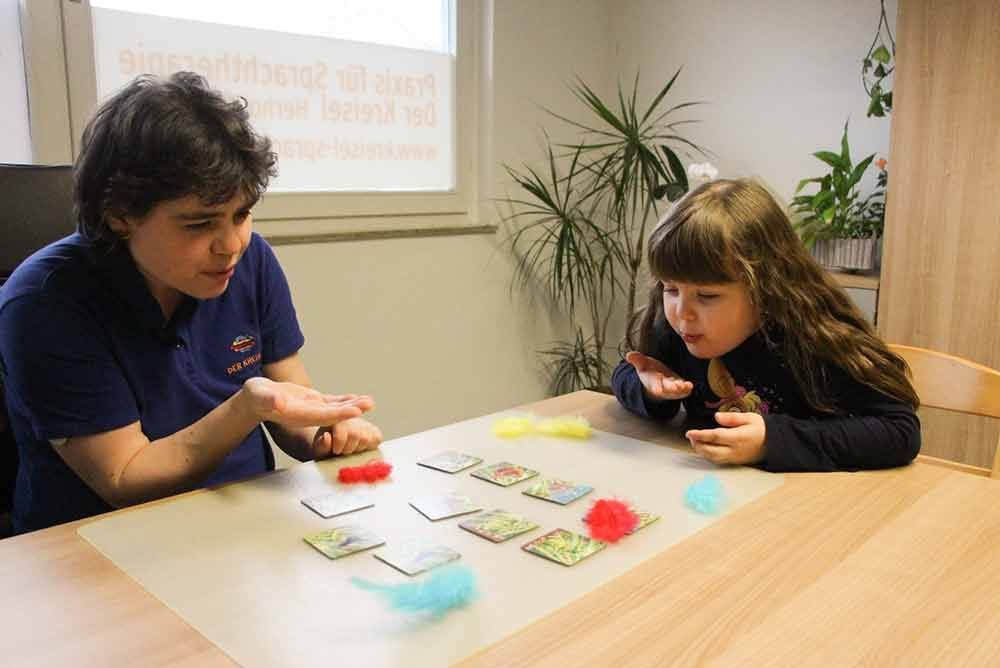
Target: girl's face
183,247
711,318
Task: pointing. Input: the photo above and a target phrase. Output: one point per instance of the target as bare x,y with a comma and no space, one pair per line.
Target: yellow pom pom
573,427
514,426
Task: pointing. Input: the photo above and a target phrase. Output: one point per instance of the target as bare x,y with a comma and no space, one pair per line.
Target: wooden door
940,282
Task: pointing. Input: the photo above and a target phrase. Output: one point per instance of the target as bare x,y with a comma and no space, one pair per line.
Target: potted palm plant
579,225
841,227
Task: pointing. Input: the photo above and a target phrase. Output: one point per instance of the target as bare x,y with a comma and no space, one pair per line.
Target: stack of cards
564,547
498,525
416,556
504,473
341,541
450,461
441,506
558,491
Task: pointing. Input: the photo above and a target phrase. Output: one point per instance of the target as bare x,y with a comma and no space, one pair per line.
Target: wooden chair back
953,383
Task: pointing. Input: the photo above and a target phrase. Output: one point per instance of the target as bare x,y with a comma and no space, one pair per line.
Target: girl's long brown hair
733,230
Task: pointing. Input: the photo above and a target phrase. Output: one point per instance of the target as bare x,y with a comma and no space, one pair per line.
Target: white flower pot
849,254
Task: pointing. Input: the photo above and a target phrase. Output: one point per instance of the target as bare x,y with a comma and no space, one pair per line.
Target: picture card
442,506
338,503
564,547
498,525
450,461
645,519
558,491
416,556
341,541
504,473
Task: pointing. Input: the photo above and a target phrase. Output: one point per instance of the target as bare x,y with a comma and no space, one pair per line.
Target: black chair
36,208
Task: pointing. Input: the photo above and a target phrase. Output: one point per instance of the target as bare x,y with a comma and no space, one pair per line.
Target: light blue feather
449,587
705,496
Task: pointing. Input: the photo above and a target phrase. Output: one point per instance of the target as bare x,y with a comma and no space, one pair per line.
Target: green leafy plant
837,210
877,65
579,225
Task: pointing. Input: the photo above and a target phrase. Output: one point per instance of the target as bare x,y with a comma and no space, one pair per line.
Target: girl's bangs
692,249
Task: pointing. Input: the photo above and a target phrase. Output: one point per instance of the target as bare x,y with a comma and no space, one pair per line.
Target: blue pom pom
450,587
705,496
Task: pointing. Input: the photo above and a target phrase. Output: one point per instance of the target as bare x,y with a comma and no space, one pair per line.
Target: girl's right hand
658,382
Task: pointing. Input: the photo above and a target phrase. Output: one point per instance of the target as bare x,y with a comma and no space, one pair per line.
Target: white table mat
232,562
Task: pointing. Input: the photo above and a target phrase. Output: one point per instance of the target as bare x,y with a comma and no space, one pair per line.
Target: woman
141,355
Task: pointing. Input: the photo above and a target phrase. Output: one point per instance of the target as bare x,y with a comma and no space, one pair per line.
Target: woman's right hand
658,382
293,405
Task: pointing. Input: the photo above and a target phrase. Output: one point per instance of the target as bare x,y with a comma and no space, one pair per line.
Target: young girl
769,356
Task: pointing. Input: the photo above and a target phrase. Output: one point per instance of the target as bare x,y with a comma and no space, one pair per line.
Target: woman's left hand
740,439
344,438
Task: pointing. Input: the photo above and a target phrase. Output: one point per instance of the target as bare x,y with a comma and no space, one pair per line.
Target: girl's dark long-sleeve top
872,430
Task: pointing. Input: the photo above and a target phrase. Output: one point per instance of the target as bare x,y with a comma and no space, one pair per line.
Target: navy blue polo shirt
85,348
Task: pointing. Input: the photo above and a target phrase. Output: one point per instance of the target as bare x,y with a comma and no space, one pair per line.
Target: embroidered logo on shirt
242,343
243,364
734,398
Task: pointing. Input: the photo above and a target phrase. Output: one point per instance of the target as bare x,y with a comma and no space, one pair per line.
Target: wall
428,326
780,77
434,333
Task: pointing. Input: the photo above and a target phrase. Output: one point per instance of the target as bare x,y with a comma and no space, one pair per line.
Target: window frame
62,81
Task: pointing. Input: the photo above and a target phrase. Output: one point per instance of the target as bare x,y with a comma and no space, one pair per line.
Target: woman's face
712,319
184,247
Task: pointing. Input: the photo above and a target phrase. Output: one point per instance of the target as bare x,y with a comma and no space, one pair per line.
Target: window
362,107
15,143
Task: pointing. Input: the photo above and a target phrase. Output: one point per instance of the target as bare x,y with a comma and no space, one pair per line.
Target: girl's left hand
740,439
344,438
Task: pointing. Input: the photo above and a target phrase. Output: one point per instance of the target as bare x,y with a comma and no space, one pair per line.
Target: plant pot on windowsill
849,254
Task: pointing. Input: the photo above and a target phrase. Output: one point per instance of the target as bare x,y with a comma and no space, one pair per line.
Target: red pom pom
610,519
370,472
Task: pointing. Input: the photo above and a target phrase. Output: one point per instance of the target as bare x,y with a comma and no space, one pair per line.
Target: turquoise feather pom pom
451,587
705,496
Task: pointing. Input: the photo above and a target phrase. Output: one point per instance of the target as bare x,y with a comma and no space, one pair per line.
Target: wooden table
894,567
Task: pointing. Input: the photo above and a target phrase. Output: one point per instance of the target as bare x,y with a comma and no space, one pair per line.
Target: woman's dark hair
163,138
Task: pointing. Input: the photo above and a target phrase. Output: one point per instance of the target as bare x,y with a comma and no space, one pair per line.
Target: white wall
428,325
780,77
